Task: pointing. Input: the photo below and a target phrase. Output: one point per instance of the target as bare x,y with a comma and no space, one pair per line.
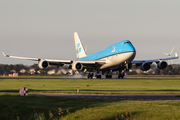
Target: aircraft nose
131,48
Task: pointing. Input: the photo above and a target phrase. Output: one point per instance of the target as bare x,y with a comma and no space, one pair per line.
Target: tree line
173,69
6,69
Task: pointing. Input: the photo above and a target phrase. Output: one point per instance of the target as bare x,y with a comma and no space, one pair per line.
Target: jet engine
145,66
162,65
77,66
43,64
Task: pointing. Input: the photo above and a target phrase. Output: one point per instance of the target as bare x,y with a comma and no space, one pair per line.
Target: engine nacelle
43,64
162,65
77,66
145,66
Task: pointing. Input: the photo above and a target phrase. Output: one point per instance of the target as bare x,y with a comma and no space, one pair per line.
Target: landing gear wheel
98,76
121,75
90,75
108,76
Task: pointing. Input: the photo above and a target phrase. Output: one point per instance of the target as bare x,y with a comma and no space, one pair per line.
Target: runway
141,97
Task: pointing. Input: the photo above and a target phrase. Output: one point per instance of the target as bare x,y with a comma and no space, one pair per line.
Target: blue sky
44,28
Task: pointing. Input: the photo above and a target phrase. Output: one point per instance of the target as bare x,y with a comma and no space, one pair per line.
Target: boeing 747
117,57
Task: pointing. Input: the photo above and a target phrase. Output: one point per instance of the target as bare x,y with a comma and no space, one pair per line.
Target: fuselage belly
118,59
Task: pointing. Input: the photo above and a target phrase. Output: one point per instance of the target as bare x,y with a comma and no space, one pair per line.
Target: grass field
14,107
130,85
32,107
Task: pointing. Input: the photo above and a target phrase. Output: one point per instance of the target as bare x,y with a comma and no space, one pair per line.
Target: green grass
130,85
14,107
29,77
32,107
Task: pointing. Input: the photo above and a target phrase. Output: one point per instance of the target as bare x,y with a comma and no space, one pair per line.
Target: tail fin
78,46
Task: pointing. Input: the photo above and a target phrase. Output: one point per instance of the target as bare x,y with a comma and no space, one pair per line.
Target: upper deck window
127,42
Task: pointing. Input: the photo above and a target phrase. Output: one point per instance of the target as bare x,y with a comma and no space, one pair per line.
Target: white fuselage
118,59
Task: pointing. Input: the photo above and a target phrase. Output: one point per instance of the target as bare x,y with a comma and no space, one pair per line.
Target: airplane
117,57
169,55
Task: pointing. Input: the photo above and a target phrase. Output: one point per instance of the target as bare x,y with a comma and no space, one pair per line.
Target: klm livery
117,57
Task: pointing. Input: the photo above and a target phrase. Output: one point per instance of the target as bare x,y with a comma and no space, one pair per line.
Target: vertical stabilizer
78,46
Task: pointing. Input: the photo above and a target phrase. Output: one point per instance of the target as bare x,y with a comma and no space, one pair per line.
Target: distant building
22,71
57,72
51,72
61,72
15,74
39,72
13,71
32,71
10,75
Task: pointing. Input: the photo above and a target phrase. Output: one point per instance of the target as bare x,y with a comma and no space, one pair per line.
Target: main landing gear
109,74
90,75
122,70
121,75
98,76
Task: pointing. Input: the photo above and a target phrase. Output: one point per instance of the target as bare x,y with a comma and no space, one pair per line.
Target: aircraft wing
26,58
38,59
58,62
154,60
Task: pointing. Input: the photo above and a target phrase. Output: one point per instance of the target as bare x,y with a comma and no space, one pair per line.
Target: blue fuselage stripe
114,49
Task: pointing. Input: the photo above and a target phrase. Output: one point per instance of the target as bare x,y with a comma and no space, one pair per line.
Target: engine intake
43,64
145,66
162,65
77,66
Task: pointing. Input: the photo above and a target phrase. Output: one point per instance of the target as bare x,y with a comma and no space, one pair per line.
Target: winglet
5,54
176,55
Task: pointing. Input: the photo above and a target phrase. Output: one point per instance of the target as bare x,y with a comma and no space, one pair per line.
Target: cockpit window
127,42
